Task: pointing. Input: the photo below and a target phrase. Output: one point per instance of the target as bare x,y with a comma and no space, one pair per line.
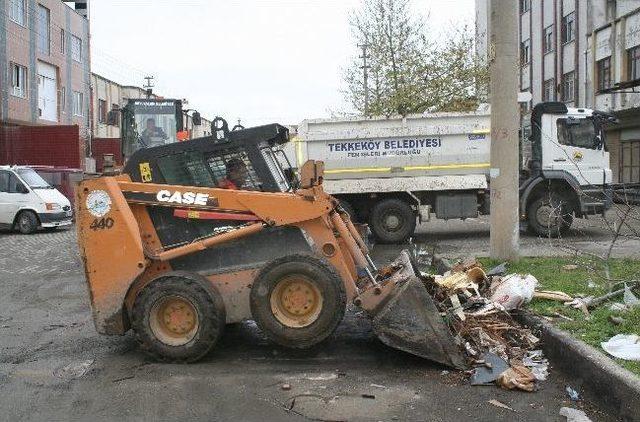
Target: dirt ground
54,366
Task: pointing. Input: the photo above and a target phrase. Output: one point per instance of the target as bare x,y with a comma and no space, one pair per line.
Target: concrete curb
616,388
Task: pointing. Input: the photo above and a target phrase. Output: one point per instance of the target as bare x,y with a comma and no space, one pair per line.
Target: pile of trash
477,304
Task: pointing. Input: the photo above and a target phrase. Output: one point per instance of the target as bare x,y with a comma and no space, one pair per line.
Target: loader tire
178,317
549,216
298,300
392,221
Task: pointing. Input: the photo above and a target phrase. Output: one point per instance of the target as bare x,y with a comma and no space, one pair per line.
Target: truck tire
27,222
392,221
178,318
298,300
549,216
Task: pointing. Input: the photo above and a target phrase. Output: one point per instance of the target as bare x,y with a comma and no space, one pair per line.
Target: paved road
457,238
53,365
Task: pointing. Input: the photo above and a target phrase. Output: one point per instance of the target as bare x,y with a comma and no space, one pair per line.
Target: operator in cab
153,135
236,175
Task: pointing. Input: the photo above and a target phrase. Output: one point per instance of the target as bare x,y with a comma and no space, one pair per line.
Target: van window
4,181
15,185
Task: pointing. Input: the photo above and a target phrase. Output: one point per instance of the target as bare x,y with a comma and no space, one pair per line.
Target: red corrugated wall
45,145
101,146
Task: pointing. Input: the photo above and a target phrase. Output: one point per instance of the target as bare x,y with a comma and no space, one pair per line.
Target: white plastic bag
623,346
514,290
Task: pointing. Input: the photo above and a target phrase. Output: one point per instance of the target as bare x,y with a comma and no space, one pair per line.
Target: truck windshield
581,133
33,179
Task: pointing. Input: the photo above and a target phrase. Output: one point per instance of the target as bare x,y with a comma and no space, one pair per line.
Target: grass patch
587,279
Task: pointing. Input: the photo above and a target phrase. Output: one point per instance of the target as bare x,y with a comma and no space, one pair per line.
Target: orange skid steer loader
177,262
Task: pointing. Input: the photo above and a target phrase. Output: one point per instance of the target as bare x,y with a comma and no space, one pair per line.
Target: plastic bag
514,290
623,346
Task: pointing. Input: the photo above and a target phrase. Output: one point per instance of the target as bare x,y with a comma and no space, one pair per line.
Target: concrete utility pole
504,65
365,69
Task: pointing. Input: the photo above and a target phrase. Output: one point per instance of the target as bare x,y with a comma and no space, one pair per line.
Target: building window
44,37
113,117
568,86
525,6
18,80
568,27
547,42
604,73
634,63
63,41
102,111
76,49
63,99
19,12
549,90
525,52
78,103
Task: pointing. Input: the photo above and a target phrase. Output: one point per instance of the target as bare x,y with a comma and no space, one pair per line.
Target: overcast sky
259,60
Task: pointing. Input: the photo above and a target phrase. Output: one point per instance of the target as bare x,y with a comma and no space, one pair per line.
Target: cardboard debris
517,377
497,403
476,306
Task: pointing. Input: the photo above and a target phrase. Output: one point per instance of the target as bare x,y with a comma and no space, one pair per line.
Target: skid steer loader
174,257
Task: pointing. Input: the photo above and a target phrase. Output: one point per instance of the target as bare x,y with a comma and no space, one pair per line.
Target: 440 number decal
102,223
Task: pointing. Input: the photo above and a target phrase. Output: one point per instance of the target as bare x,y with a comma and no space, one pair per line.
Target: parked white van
28,202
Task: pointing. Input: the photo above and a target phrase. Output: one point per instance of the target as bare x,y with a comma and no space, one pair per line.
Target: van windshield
33,179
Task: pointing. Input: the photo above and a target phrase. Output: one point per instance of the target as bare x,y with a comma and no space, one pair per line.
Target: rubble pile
476,306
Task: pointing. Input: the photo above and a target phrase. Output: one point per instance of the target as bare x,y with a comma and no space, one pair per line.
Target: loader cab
206,161
149,123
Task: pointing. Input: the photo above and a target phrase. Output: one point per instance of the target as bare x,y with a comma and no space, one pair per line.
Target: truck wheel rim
392,222
174,320
547,216
296,301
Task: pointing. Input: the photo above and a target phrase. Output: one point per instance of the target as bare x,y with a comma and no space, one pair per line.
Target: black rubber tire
209,307
402,211
325,278
27,222
560,226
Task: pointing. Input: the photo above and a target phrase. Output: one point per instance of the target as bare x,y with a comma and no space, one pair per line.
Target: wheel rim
24,223
548,216
296,301
392,222
174,320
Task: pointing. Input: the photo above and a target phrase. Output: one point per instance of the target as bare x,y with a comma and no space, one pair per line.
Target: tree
406,71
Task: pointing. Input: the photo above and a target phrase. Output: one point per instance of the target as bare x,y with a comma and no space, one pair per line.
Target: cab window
579,133
218,165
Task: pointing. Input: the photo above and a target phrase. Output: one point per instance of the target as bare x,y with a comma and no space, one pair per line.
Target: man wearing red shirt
236,175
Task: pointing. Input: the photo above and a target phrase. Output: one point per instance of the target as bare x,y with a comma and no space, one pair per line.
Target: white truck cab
28,202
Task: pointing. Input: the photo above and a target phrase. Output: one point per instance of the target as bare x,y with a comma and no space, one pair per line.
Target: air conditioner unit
18,91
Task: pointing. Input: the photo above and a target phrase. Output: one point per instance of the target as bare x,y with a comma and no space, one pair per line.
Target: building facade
44,63
576,51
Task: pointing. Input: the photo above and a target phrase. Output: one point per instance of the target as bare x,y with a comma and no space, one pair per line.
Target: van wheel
392,221
298,300
27,222
178,318
549,216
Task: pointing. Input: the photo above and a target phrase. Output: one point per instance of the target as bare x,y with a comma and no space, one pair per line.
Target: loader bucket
410,321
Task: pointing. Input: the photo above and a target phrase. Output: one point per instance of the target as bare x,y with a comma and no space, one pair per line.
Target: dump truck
174,257
394,172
